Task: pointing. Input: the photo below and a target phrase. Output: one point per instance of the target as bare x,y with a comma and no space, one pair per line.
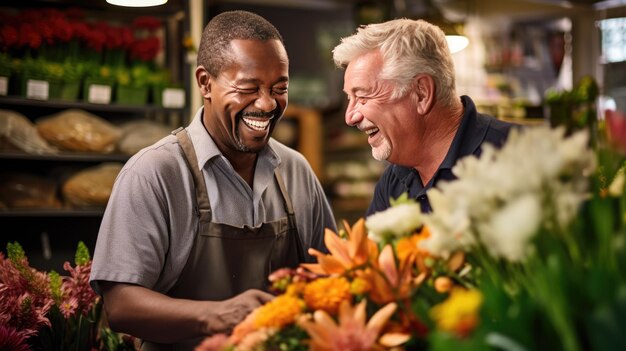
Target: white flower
449,225
396,221
510,229
538,178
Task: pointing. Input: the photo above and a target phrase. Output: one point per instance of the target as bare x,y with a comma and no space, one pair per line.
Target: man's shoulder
163,154
497,130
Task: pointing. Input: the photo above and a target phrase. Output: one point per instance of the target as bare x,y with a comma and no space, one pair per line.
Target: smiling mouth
257,124
371,132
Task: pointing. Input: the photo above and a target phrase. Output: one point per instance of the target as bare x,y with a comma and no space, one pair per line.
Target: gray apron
226,260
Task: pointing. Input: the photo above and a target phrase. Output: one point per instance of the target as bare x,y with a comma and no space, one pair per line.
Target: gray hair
409,47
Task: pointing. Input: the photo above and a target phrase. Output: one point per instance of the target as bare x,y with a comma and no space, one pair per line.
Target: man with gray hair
399,78
197,221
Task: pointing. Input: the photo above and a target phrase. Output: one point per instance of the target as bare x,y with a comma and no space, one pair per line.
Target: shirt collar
468,137
206,149
467,140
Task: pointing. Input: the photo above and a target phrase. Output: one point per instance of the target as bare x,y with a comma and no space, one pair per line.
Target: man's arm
152,316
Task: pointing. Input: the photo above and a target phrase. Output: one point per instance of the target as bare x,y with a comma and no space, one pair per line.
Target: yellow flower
327,293
459,313
295,289
359,286
279,312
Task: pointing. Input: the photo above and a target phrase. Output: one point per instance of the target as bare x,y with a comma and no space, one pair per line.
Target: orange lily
351,333
344,254
389,281
411,246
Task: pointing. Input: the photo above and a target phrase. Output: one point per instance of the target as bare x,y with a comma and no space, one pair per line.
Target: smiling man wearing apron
197,221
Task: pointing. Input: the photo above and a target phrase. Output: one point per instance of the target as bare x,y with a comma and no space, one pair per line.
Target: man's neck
436,141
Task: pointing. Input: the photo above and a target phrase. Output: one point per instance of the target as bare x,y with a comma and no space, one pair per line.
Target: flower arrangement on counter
48,311
526,250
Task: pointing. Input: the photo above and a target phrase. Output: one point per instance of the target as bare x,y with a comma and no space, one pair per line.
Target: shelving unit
50,234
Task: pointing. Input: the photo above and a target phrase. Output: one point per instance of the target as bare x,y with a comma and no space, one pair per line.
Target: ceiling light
429,12
457,43
137,3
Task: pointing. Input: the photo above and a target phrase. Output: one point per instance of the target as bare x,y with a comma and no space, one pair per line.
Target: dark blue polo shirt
474,130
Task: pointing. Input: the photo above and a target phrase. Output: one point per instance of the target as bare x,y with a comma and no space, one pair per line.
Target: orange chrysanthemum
295,289
327,294
279,312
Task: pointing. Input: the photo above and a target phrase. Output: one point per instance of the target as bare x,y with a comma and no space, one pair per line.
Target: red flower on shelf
145,49
9,37
147,22
29,36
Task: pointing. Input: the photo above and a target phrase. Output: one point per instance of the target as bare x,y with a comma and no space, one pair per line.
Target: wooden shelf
53,212
77,157
17,101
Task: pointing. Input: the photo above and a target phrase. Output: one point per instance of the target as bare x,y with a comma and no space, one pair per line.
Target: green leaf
402,199
82,254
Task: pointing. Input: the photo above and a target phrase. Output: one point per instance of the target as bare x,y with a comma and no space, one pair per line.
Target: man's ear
425,92
203,79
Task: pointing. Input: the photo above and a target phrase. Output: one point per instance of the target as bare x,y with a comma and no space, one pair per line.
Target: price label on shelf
173,97
4,85
37,89
99,94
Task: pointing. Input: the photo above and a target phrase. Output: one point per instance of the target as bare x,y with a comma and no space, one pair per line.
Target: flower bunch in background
67,47
49,311
526,250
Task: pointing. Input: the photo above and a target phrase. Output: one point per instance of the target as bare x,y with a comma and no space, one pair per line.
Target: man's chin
381,154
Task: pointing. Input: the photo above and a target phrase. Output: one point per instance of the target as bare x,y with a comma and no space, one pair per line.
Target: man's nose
353,117
265,101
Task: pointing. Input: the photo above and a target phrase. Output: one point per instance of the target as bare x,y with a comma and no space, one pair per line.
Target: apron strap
283,190
291,215
202,195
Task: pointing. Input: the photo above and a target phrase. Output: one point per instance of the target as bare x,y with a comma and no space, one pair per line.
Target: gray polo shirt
149,224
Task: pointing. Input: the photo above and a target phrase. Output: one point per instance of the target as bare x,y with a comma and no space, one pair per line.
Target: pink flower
11,339
25,296
616,129
68,307
77,286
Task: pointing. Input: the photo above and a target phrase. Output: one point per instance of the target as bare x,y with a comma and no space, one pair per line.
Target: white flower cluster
394,222
537,179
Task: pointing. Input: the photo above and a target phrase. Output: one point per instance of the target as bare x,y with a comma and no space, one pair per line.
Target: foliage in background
48,311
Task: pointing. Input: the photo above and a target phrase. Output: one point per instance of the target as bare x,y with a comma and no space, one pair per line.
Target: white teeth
256,124
371,131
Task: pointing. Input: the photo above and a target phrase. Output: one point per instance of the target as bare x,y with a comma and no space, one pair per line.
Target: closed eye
279,91
247,90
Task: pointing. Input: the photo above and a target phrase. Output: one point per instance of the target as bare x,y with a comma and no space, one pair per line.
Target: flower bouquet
47,311
526,250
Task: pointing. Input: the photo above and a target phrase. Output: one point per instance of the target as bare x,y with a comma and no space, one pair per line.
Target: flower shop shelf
61,104
61,212
69,157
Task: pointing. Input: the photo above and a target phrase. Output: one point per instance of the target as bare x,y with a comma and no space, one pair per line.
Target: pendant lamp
137,3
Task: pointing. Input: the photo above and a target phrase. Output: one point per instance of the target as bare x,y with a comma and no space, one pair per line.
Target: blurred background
84,85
